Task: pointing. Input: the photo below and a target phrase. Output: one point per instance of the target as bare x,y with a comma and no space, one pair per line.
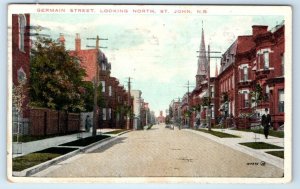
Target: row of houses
120,108
250,79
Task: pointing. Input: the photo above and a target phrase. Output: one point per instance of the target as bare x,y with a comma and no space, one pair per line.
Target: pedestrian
88,123
266,122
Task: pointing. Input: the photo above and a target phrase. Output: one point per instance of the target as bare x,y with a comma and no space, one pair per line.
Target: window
282,64
232,82
21,75
281,100
212,92
109,91
109,113
118,116
103,86
245,71
118,98
103,113
103,66
246,100
266,60
22,23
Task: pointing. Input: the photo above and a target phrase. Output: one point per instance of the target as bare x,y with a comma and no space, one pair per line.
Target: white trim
242,91
243,65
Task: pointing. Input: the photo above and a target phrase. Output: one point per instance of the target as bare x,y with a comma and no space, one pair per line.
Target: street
162,151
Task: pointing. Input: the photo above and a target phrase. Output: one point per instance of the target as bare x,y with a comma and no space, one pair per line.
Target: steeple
202,61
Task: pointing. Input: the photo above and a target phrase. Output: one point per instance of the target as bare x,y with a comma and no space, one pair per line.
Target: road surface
162,152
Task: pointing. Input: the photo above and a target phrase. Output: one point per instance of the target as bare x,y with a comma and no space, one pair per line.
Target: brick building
252,77
116,105
21,56
161,118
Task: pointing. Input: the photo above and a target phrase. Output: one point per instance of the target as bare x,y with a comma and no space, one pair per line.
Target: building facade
116,106
21,59
250,79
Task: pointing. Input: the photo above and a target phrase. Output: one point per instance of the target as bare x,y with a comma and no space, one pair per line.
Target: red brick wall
21,58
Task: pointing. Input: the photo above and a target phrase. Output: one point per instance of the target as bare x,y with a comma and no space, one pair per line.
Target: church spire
202,61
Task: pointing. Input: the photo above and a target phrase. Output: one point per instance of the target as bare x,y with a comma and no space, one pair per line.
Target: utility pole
208,85
188,96
96,83
129,103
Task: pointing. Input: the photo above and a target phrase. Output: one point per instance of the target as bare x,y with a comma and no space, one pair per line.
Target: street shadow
119,140
152,129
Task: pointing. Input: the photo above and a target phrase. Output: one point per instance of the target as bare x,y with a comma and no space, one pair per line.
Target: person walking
88,123
266,122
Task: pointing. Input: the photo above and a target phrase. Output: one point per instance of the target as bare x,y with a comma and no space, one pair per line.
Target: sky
158,51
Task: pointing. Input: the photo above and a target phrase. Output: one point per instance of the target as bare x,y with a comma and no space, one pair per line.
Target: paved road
162,152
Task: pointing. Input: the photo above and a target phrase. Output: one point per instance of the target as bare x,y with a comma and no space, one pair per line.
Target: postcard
149,93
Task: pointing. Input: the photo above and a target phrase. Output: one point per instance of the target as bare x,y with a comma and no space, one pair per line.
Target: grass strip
260,145
279,134
277,153
116,131
218,134
86,141
149,126
23,162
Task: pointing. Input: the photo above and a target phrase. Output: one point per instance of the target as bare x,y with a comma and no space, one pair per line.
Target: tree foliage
56,78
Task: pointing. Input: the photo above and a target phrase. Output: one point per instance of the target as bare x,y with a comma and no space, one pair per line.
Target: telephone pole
188,85
96,83
129,104
208,116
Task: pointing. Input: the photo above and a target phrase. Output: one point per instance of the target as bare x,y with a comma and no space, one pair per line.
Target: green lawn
218,134
27,138
35,158
260,145
277,153
149,126
86,141
279,134
116,131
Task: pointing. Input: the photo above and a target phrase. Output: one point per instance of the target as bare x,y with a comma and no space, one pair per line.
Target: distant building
161,118
136,94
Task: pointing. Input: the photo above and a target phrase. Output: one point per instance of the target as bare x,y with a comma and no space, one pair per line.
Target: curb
261,155
37,168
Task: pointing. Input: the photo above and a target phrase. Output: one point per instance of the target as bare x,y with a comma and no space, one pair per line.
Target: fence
50,122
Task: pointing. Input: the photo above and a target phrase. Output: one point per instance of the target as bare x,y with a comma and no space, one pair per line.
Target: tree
257,94
56,78
18,99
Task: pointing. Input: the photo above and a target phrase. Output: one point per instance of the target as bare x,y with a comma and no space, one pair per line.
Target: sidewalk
248,137
29,147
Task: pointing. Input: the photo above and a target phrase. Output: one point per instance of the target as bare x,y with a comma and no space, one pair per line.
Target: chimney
77,42
62,38
258,29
